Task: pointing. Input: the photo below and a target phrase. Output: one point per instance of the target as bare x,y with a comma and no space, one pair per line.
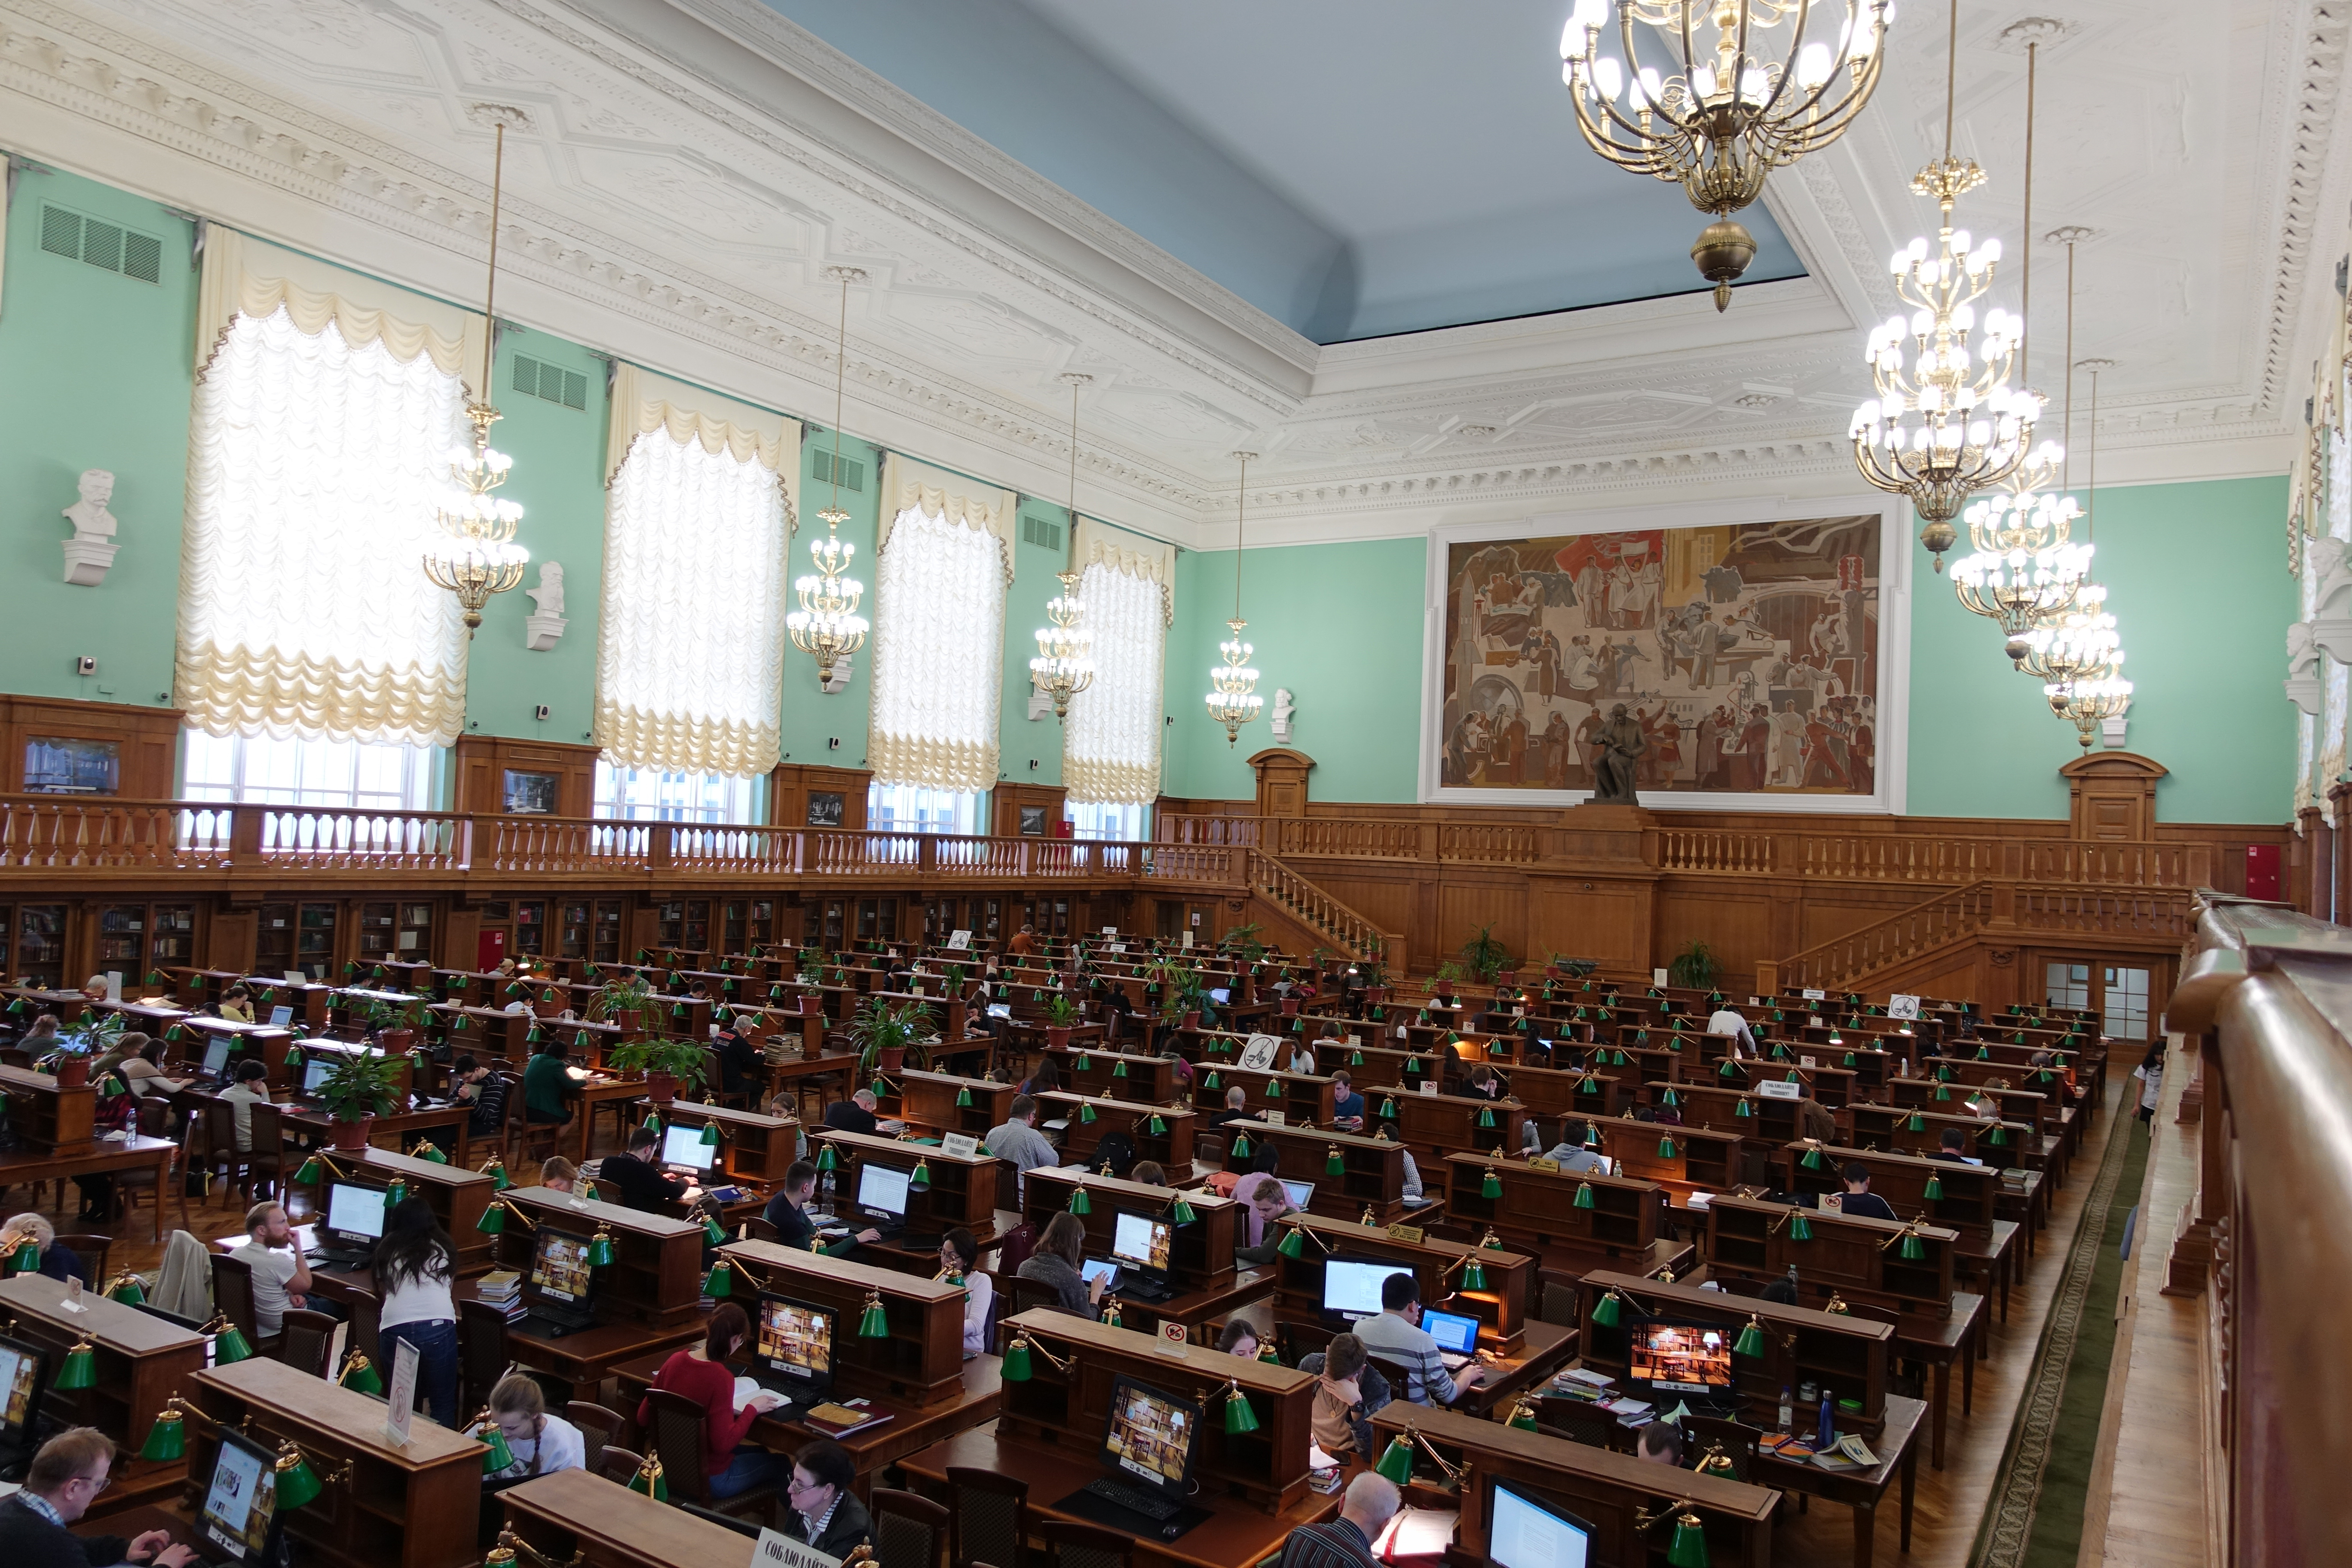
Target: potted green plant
96,1035
1061,1015
362,1085
883,1035
1441,983
397,1022
1243,942
625,999
1483,955
665,1065
1694,968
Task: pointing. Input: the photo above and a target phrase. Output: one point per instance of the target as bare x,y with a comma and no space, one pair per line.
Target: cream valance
643,401
909,486
244,275
1119,551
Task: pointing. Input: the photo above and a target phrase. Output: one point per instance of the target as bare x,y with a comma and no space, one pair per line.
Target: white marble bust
549,594
91,520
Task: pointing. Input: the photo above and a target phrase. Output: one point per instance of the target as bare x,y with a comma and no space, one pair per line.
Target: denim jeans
749,1467
437,1365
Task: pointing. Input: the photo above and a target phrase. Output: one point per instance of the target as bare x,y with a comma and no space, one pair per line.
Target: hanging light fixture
1065,665
1723,114
1951,425
2082,637
481,558
2088,699
2027,567
1232,698
828,625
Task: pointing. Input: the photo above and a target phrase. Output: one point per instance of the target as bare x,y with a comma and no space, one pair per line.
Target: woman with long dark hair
414,1265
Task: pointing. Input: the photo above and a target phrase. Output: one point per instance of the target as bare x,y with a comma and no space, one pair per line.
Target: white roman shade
698,519
1112,744
327,407
908,486
945,558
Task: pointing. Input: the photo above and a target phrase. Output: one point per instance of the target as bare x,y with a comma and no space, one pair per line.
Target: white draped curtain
1112,743
945,560
327,407
697,526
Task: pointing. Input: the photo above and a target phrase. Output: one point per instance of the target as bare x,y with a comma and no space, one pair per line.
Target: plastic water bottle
1788,1412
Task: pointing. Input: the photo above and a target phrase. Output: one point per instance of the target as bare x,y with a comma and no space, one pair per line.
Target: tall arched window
1112,744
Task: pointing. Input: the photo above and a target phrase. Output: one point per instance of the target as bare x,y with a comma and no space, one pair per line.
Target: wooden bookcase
48,1117
928,1099
655,1275
1860,1259
921,1360
142,1361
1500,1307
1537,1212
1436,1125
1096,1073
1701,1161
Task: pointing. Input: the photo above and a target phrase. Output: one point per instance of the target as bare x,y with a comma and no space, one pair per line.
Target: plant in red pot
1061,1017
360,1087
97,1035
668,1066
396,1023
884,1034
625,999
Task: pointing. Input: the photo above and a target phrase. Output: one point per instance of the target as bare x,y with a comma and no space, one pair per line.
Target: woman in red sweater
702,1375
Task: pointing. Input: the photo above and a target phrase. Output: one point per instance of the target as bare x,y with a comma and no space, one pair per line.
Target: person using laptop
1061,1249
1347,1105
1017,1140
1371,1501
281,1277
788,1210
66,1474
855,1114
1271,1201
636,1182
412,1267
1571,1151
1397,1334
1859,1202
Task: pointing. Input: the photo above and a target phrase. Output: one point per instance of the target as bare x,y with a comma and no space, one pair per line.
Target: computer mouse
1171,1531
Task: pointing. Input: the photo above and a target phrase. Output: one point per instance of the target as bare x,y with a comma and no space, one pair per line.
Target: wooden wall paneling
1007,799
226,939
790,784
1464,905
1385,898
1281,780
457,936
1739,924
481,763
1605,918
147,740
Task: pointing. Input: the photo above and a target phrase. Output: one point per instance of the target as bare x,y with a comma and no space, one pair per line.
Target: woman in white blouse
538,1442
960,1260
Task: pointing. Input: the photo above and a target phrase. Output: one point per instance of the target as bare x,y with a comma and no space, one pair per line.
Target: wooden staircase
1307,917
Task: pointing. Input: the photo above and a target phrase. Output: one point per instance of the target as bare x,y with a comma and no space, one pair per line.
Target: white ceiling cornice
693,165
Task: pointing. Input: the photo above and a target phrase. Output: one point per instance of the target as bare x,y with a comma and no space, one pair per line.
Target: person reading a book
700,1372
1239,1338
539,1443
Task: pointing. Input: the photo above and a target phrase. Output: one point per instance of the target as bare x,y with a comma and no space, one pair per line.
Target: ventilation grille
1037,530
551,383
851,472
78,237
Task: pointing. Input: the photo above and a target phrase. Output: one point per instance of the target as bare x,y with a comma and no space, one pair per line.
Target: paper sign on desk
1657,977
1903,1006
962,1143
400,1399
1274,1118
1814,996
1781,1089
1428,1088
777,1550
959,939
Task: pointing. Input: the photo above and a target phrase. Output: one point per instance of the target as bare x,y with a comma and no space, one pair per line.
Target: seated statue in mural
1620,745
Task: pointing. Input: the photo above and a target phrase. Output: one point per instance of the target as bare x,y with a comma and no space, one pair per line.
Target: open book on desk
838,1421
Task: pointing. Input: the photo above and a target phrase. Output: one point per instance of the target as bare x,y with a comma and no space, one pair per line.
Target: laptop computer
1301,1193
215,1066
1456,1336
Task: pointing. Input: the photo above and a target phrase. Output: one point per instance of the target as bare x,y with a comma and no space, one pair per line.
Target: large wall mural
1749,654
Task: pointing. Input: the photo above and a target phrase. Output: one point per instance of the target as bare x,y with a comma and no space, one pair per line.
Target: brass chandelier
1949,424
2091,692
1232,695
1726,111
828,625
1065,665
481,558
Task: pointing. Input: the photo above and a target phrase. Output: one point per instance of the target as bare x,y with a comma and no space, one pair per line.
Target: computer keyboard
553,1325
340,1258
1157,1509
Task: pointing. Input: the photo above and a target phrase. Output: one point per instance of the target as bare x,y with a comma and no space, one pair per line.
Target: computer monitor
1352,1286
1686,1358
1221,995
1301,1193
280,1016
241,1498
882,1189
21,1366
1141,1242
795,1339
1453,1331
355,1210
1152,1437
560,1268
314,1073
1000,1010
683,1145
1524,1530
215,1064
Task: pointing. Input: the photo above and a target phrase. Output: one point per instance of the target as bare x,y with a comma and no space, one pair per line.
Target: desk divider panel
1372,1177
928,1099
752,1146
961,1190
1856,1258
655,1275
1969,1194
919,1360
1539,1211
1172,1145
1095,1071
1201,1254
1440,1266
1699,1158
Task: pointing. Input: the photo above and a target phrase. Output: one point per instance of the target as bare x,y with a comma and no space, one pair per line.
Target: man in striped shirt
1397,1335
1347,1540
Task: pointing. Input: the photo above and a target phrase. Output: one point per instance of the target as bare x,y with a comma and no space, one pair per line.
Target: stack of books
502,1289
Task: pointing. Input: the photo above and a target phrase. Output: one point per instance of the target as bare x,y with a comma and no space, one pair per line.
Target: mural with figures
1749,654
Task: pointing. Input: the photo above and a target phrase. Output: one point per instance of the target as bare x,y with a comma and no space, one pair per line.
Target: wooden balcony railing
1841,962
1350,933
2268,1238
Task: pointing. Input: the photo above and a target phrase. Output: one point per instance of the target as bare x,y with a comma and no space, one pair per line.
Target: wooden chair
1400,1377
675,1436
988,1518
232,1297
910,1532
620,1465
757,1228
306,1341
1029,1294
1070,1545
599,1425
92,1251
268,1158
152,1120
221,1155
482,1357
1581,1422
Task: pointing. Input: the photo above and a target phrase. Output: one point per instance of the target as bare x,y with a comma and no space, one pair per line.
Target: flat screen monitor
217,1057
1141,1242
355,1210
559,1266
1353,1286
1301,1193
1524,1532
280,1016
796,1341
882,1189
1688,1358
1453,1331
314,1073
1152,1437
20,1385
1221,995
240,1499
683,1145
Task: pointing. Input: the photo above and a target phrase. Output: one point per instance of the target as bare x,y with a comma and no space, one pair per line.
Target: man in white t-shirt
1726,1020
280,1277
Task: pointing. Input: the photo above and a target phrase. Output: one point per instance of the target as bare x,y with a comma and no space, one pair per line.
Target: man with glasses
66,1477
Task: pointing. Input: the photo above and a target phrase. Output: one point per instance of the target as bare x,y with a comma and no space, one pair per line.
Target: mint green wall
1339,626
95,371
1036,579
811,717
2197,580
559,479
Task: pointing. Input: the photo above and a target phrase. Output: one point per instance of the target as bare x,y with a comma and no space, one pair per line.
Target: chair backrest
306,1340
1737,1439
1030,1294
988,1517
675,1438
1071,1545
598,1426
1560,1305
367,1312
92,1251
1400,1376
757,1228
1296,1341
268,1134
620,1465
910,1532
154,1115
481,1351
220,1128
233,1293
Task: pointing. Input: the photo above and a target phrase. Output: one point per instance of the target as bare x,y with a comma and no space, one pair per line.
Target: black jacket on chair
850,1528
28,1540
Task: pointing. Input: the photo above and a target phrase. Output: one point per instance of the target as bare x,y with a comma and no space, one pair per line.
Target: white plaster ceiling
691,167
